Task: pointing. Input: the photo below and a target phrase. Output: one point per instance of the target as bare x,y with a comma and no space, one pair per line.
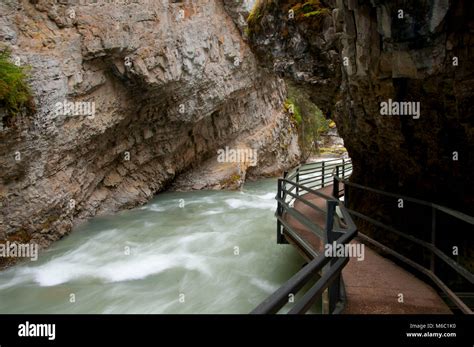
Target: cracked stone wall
170,82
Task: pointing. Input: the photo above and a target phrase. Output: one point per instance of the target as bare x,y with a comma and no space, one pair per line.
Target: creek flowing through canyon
183,252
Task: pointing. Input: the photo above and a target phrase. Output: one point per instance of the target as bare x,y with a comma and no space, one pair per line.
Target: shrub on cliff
311,11
308,119
259,9
312,8
15,94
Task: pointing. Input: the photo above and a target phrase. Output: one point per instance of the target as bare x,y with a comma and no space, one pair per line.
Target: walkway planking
374,284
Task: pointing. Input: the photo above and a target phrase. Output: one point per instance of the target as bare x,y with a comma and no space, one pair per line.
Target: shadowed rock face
367,52
171,84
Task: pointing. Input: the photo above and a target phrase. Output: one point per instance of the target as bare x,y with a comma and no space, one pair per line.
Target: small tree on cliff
15,94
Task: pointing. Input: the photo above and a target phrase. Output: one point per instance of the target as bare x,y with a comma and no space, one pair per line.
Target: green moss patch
307,117
15,93
312,11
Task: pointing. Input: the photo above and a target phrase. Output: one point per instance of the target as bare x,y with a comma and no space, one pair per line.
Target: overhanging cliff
128,96
354,55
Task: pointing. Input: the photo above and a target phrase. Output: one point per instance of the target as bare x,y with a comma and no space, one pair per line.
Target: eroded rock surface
171,83
366,52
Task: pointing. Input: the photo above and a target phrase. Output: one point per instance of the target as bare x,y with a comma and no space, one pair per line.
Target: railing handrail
334,233
309,190
318,162
314,165
332,267
324,173
430,246
425,244
457,214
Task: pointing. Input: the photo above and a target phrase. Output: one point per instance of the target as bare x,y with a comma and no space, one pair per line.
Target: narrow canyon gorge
363,53
172,82
354,58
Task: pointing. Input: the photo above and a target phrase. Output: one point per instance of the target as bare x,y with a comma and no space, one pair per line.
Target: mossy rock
15,93
332,150
312,11
231,182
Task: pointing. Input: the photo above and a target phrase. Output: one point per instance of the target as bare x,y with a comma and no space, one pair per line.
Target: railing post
433,238
335,184
343,168
322,179
346,195
335,187
279,212
297,181
331,207
330,237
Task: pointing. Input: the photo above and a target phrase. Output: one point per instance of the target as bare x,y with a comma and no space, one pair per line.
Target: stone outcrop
165,85
357,54
330,143
366,52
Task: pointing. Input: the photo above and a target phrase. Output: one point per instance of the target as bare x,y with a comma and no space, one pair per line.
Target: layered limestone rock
128,96
355,54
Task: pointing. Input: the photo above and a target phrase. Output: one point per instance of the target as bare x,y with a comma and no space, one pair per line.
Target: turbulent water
193,252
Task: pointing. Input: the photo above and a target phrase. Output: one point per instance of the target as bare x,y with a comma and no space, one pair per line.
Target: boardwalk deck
374,284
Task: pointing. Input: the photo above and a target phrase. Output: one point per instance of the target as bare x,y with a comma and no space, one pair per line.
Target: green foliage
15,93
312,8
259,9
311,11
308,119
314,13
231,181
255,13
293,110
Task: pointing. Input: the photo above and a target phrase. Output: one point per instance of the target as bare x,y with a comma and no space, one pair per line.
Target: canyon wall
355,56
169,83
352,55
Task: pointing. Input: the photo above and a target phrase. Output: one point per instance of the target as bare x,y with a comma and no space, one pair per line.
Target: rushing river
193,252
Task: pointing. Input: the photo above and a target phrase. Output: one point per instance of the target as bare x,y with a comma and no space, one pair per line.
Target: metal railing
435,252
320,174
303,182
297,186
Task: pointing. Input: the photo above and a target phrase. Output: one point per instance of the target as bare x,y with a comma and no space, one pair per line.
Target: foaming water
193,252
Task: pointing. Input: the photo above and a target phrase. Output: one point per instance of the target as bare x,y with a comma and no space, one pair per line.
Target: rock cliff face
362,53
164,85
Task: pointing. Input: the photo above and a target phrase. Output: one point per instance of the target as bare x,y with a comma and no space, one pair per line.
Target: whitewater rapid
183,252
